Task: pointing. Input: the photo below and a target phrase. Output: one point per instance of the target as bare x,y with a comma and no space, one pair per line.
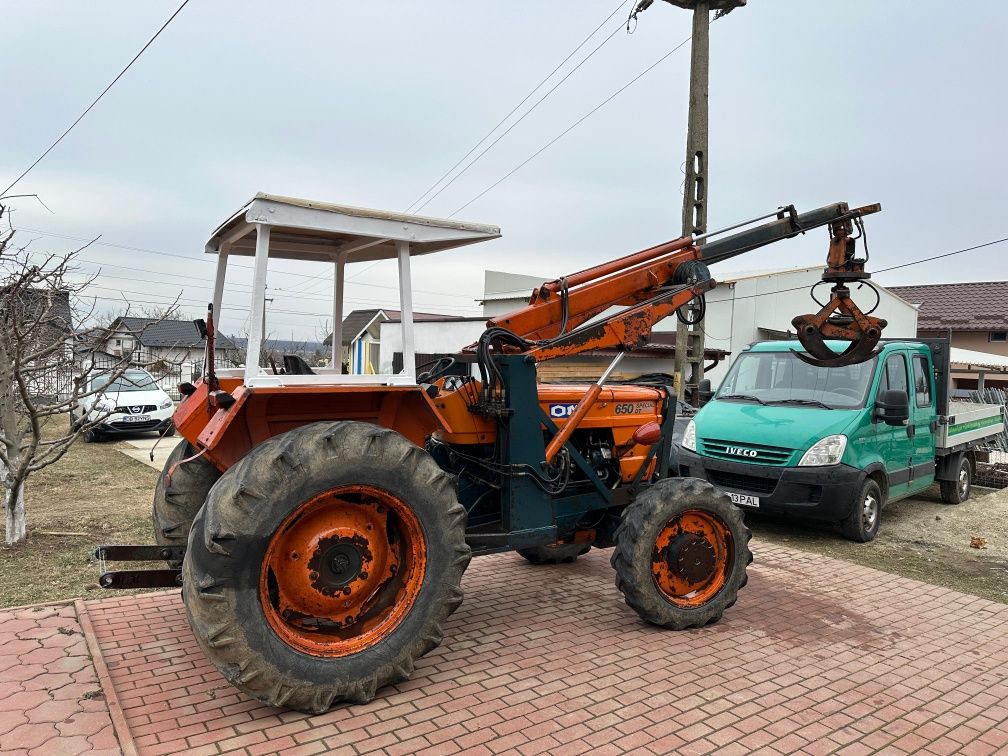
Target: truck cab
835,444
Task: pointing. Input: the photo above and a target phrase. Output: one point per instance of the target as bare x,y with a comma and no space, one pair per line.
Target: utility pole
689,353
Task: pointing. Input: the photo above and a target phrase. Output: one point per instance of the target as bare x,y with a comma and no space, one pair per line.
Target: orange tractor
319,523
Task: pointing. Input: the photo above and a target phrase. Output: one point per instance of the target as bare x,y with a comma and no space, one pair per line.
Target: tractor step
161,578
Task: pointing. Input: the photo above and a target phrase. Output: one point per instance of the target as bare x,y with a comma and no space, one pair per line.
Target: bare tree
40,378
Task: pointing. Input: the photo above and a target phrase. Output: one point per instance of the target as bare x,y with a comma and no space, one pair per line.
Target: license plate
744,500
136,418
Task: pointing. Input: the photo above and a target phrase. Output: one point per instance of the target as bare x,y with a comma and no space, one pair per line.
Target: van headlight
689,437
828,451
167,403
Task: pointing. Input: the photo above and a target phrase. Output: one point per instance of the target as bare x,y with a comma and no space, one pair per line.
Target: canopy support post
406,309
256,322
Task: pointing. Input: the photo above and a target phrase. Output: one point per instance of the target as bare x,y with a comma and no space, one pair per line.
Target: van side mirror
893,407
705,391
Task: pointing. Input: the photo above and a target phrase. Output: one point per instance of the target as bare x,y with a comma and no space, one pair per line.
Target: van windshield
782,378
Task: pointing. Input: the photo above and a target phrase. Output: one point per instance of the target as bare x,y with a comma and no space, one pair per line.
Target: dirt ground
920,538
94,495
97,495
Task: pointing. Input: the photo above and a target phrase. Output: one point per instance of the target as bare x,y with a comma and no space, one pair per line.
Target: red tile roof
978,306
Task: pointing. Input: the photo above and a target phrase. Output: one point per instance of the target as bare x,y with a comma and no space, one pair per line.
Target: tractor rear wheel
681,553
324,564
175,506
555,553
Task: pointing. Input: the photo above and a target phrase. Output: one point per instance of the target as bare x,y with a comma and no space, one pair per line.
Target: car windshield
131,380
783,379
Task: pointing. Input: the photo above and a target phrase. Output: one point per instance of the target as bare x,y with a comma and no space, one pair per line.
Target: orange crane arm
655,282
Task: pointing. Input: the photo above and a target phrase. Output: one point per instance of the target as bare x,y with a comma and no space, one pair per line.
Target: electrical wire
528,112
513,110
570,128
96,99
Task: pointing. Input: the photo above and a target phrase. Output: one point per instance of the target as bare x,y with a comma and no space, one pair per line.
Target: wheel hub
692,557
338,562
342,570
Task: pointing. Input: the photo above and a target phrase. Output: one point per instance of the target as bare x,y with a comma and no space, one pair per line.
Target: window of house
118,342
922,381
997,336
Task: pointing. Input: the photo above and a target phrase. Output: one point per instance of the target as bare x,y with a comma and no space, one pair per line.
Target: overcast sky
368,103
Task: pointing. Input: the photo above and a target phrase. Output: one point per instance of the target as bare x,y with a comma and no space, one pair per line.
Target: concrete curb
105,680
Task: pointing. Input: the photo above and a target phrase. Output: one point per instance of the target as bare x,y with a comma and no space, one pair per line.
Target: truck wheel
555,553
175,506
681,553
958,490
862,523
324,563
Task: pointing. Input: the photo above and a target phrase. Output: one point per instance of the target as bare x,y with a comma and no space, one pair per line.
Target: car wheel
92,436
958,490
862,523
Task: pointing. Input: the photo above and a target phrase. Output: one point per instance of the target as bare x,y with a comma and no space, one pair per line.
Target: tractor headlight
828,451
689,437
166,403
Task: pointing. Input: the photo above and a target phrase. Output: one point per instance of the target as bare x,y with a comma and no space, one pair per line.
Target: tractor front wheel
681,553
324,564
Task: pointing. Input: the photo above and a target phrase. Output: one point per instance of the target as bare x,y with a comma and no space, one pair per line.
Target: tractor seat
295,365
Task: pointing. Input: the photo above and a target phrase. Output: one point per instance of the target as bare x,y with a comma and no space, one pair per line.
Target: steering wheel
440,367
847,392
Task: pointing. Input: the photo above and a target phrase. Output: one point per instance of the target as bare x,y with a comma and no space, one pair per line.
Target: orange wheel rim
692,557
342,571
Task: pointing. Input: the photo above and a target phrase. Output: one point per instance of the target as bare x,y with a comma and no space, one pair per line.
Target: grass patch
95,491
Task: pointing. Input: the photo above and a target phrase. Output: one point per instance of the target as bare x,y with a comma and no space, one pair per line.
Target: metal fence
993,473
166,373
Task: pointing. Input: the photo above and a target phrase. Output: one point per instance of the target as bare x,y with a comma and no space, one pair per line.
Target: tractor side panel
261,413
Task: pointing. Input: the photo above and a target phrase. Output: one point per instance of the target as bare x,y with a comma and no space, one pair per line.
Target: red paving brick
50,698
818,656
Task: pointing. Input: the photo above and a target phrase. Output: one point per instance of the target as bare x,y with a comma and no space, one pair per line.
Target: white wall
429,338
737,310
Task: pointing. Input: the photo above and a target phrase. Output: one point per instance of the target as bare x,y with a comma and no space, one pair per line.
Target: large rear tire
324,563
681,553
175,506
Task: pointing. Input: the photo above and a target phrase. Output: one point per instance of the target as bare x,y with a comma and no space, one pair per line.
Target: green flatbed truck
836,444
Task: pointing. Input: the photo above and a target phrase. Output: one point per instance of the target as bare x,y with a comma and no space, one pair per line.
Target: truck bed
967,423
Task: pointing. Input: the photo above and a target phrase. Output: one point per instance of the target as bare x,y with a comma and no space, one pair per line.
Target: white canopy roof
319,231
979,360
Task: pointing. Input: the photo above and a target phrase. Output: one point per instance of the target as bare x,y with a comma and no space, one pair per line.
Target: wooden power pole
689,351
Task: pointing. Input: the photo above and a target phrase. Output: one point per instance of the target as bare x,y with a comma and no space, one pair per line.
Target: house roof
357,321
151,332
976,306
53,304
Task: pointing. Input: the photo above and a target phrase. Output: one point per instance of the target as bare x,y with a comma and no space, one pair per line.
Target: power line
96,99
570,128
515,109
212,261
886,270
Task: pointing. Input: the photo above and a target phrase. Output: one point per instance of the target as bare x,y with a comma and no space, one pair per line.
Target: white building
759,306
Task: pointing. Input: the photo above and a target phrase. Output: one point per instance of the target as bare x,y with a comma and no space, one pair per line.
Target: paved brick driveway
818,656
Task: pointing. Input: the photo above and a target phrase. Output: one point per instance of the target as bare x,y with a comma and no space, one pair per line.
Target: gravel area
920,538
